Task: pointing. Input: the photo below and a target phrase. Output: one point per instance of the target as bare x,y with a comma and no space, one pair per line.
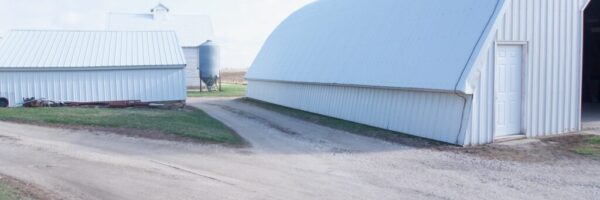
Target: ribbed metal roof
413,44
90,49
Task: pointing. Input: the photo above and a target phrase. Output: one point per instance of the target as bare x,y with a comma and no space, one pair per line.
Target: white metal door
507,90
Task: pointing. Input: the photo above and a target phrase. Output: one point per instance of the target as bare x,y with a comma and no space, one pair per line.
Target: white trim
488,39
504,42
524,93
585,5
100,68
509,138
361,86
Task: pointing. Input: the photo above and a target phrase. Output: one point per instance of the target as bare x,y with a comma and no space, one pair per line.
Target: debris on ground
32,102
35,103
546,149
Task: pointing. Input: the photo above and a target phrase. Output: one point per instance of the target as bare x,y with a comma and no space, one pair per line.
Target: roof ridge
170,14
81,30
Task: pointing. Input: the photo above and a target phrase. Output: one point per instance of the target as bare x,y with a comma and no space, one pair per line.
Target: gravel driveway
289,159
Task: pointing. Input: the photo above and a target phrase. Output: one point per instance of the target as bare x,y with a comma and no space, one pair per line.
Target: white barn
192,30
91,66
464,72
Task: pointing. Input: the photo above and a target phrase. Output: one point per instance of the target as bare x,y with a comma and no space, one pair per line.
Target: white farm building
192,31
91,66
464,72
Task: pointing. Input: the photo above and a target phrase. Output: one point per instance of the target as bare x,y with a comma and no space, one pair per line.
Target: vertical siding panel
531,66
553,66
514,22
507,19
91,85
403,111
571,67
561,71
490,95
535,66
576,41
544,82
524,19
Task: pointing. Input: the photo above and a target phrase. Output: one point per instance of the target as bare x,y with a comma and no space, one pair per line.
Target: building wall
552,74
147,85
192,74
551,30
431,115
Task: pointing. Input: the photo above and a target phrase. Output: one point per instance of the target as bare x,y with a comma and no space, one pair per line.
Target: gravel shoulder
288,159
14,189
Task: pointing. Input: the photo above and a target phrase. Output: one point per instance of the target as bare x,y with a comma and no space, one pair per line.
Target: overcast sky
241,26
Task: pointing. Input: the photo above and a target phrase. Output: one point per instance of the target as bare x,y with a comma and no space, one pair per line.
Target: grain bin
209,63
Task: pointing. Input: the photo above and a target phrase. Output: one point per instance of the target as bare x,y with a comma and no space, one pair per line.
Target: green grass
9,193
594,140
339,124
588,151
590,147
190,123
228,90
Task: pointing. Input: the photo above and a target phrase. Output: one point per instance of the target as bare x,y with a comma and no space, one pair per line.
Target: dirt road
289,159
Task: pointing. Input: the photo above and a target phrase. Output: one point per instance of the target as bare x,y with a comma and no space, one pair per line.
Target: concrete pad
590,116
518,142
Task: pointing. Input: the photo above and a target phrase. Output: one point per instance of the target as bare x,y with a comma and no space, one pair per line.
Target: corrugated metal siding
61,49
553,70
482,124
192,75
426,114
94,85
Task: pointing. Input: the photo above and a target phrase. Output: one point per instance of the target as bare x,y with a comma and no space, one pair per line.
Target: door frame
524,92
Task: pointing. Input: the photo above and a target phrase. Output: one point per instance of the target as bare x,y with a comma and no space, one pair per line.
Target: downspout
461,94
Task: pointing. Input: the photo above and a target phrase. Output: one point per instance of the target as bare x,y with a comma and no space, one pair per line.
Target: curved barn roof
416,44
